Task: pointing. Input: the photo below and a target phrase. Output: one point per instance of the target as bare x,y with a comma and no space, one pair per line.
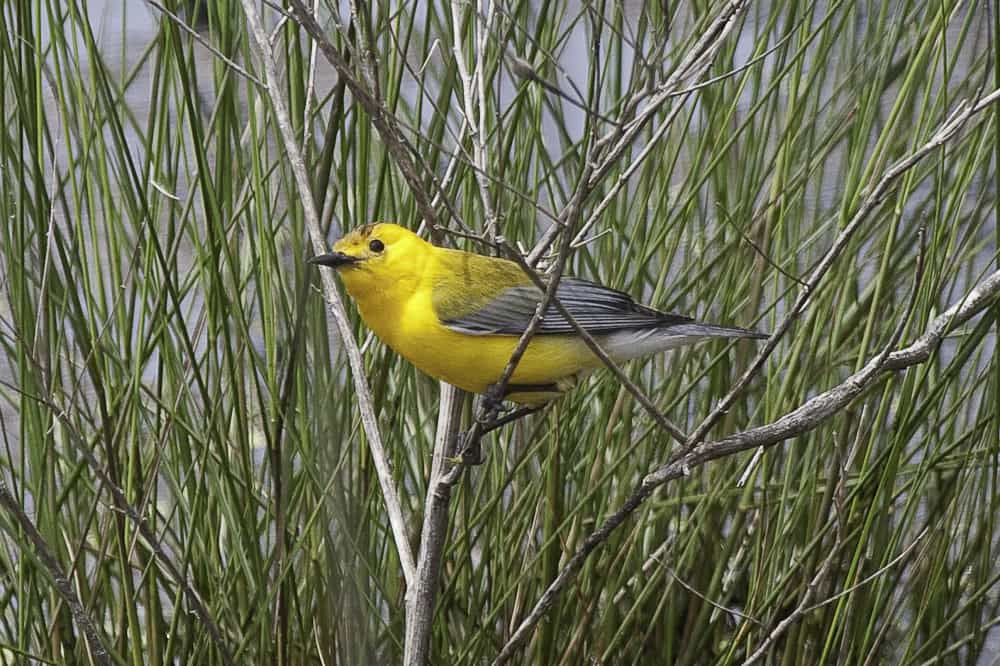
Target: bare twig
867,579
122,505
710,602
363,392
875,196
804,608
612,146
805,418
694,64
800,610
549,288
473,91
98,652
229,62
384,122
522,69
421,595
595,347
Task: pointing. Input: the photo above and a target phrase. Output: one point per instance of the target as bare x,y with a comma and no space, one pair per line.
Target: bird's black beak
334,259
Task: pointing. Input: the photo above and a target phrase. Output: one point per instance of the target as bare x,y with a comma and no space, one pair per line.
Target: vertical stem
365,405
421,594
553,551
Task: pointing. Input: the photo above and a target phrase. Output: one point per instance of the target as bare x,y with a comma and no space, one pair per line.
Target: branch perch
805,418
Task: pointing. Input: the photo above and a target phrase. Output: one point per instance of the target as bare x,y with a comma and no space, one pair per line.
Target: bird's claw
470,452
493,401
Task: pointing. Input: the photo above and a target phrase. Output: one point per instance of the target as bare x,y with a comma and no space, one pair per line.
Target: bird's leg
469,448
493,400
470,451
517,414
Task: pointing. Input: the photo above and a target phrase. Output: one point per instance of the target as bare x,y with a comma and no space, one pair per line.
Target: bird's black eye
376,245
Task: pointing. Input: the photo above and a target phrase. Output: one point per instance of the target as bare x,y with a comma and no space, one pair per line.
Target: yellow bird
457,316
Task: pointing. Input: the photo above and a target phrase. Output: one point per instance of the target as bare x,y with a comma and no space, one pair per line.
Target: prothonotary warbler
457,316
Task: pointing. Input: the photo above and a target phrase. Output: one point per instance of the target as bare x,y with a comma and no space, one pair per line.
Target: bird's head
375,256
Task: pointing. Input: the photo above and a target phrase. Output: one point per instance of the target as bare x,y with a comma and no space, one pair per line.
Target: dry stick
420,597
365,404
811,587
384,122
366,55
196,36
697,60
811,413
874,197
694,64
98,652
142,525
475,118
698,66
807,417
420,604
571,213
422,583
804,606
522,69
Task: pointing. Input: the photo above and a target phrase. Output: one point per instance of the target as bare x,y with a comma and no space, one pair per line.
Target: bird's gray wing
597,308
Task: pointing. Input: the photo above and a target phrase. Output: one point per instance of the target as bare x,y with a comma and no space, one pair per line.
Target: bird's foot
493,401
470,451
513,415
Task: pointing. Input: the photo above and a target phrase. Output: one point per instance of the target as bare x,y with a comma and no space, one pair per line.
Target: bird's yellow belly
474,362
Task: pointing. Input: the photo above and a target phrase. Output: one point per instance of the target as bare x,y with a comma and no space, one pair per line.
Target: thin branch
874,197
694,64
384,122
599,352
792,31
98,652
362,391
613,145
229,62
122,505
475,116
421,595
804,608
572,211
523,70
703,597
864,581
795,615
805,418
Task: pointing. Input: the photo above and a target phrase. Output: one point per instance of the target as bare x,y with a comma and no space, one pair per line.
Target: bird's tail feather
713,331
629,344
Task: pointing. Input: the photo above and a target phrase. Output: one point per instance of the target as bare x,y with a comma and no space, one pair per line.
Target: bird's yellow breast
402,315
